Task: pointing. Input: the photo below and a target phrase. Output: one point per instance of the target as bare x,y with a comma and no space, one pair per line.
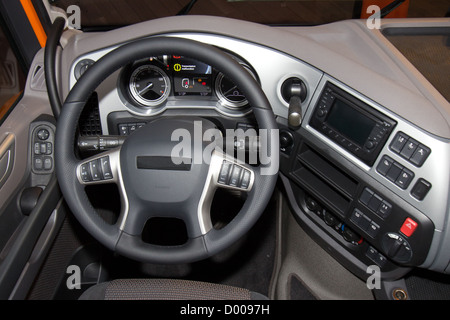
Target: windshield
111,13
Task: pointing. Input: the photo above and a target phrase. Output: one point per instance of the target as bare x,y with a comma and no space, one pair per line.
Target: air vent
38,79
89,124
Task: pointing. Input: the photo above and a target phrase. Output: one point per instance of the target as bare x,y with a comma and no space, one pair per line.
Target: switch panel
42,154
234,175
410,149
96,170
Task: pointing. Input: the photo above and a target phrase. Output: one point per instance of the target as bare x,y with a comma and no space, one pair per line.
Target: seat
167,289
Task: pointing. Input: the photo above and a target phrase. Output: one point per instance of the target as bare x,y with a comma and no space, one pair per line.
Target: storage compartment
324,180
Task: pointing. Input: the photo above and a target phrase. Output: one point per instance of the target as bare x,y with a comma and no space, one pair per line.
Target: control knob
397,248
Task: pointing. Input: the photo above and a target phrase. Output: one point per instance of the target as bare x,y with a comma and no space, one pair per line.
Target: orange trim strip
400,12
34,21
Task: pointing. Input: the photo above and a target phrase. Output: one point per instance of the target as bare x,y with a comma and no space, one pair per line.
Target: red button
408,227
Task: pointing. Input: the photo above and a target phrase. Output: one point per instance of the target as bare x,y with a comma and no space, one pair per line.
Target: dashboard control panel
340,169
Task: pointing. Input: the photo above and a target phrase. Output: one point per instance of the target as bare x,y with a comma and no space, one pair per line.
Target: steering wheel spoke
225,172
104,168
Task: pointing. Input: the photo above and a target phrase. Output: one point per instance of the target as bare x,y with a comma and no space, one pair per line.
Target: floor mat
427,285
298,291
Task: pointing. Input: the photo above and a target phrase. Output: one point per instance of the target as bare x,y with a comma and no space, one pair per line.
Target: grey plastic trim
6,158
39,253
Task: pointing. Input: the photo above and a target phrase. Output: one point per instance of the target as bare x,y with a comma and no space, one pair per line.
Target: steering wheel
150,182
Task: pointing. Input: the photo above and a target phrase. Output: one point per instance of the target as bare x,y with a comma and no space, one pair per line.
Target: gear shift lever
293,91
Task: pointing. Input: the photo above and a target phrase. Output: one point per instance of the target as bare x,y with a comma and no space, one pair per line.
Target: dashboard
366,172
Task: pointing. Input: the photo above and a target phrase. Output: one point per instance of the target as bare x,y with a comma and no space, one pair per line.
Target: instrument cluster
152,83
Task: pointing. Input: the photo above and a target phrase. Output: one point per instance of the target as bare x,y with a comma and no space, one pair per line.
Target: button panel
126,129
395,172
96,170
43,150
376,257
234,175
375,203
410,149
365,223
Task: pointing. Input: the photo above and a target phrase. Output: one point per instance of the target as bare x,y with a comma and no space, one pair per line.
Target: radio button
370,144
321,113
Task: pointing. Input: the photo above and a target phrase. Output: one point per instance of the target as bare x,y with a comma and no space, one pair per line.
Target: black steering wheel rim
66,161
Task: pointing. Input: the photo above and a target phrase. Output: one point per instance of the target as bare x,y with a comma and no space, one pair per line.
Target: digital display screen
191,76
350,122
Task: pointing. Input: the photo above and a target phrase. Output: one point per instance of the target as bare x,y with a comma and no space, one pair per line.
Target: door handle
6,158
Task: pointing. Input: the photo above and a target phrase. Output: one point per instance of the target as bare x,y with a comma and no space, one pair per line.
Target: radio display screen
350,122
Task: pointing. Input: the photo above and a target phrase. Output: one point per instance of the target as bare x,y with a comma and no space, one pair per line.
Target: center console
359,179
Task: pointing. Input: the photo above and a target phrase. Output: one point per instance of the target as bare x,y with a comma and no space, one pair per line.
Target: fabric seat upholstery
166,289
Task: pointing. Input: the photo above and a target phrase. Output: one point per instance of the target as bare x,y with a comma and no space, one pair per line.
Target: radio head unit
351,123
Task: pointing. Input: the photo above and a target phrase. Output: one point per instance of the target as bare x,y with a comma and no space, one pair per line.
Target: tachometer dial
149,85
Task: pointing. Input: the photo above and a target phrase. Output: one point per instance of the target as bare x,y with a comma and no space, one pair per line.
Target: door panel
6,157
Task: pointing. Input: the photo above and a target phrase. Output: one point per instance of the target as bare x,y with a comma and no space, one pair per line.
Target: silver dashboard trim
270,74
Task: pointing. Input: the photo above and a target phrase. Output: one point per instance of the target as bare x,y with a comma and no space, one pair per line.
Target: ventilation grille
89,124
38,79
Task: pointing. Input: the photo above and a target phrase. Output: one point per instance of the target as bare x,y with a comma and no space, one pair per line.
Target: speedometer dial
149,85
